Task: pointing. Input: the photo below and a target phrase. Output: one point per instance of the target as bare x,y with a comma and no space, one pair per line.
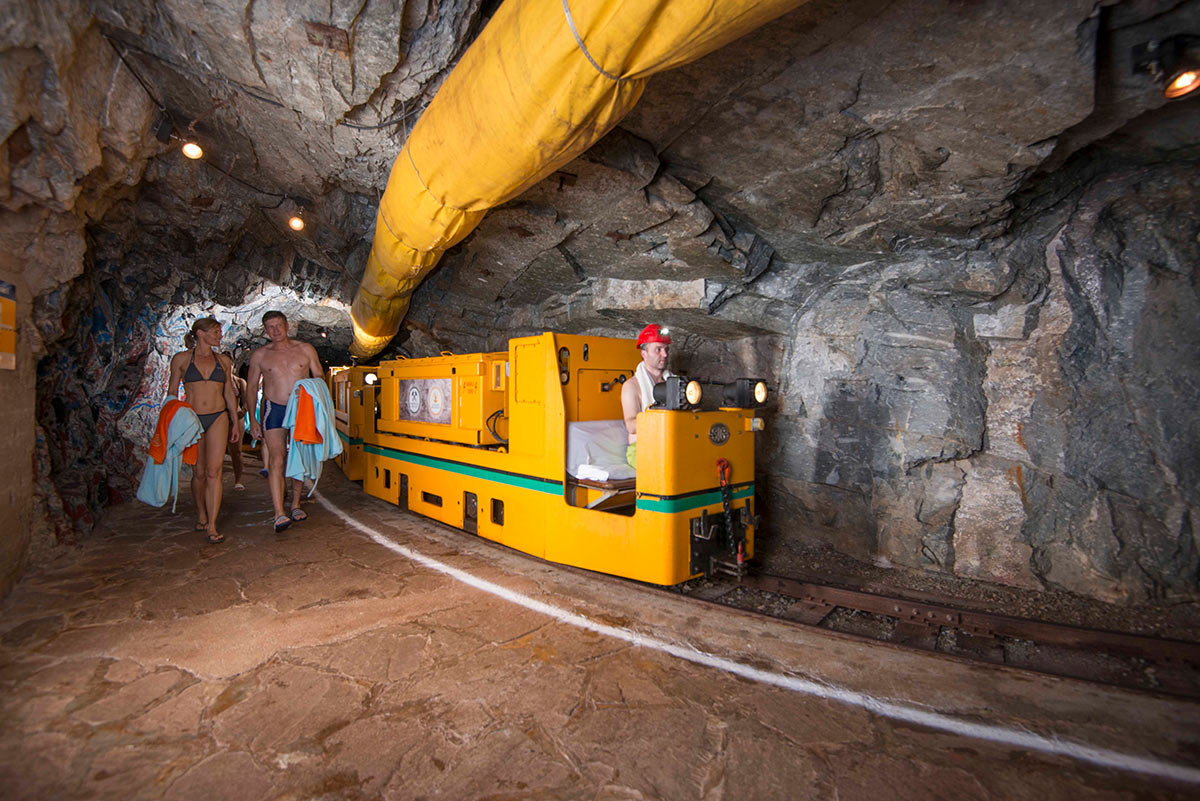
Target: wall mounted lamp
296,222
1173,63
192,150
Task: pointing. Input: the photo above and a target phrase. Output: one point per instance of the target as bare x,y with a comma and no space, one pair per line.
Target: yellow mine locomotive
527,448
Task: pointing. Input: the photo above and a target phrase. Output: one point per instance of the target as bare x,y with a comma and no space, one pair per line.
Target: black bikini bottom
206,420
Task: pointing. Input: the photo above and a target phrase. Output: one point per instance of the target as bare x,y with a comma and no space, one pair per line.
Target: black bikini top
192,373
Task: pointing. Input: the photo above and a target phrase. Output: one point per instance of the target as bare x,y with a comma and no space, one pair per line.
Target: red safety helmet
653,333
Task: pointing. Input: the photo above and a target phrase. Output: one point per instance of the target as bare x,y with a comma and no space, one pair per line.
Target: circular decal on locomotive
414,400
719,433
435,401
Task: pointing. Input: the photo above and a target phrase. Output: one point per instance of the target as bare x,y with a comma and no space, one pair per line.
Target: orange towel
158,445
305,429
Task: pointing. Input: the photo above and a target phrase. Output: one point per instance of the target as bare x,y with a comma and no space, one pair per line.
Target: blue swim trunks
274,418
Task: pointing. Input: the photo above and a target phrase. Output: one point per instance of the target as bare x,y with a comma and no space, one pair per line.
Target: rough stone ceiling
862,127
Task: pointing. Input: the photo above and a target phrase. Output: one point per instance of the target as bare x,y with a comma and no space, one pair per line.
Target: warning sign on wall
8,326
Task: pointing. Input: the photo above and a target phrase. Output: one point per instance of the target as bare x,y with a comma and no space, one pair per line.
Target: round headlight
693,392
760,392
370,378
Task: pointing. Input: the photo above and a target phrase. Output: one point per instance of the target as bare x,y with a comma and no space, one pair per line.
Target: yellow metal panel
676,454
469,392
529,383
535,417
467,407
594,403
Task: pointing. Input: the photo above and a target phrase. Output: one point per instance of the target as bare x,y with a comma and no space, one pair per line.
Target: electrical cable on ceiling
282,196
163,109
121,55
401,117
189,71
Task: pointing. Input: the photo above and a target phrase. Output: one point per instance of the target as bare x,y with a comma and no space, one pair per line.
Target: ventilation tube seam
400,239
583,48
429,191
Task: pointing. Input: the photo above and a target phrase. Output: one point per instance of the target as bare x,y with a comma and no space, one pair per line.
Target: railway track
935,624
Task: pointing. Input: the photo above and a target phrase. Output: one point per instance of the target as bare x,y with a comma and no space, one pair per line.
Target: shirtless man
279,365
638,395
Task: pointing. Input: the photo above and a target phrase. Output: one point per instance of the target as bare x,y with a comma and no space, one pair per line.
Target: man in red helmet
637,395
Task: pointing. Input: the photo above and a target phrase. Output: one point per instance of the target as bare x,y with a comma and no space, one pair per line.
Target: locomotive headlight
745,393
370,378
677,392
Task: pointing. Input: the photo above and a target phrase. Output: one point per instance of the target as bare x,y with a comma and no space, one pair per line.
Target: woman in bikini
206,377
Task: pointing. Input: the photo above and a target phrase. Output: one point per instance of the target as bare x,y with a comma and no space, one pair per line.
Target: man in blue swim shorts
279,365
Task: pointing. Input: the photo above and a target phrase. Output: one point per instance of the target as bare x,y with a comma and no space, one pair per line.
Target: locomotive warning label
426,400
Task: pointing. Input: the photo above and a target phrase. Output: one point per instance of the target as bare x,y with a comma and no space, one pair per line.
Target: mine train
527,448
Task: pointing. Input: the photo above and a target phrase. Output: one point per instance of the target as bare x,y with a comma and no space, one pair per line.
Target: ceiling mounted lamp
300,205
1173,63
192,150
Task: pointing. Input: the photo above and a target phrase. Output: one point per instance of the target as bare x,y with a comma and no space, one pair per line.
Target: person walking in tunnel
235,445
638,395
206,376
279,365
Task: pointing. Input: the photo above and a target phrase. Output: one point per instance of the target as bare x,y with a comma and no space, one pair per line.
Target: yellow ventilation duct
542,83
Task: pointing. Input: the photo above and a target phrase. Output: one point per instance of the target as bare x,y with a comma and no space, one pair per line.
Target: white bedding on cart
596,450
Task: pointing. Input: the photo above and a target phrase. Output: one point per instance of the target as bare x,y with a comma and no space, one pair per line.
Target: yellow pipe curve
542,83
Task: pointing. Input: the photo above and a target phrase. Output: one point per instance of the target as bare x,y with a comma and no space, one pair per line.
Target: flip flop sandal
201,527
239,486
281,523
215,538
299,514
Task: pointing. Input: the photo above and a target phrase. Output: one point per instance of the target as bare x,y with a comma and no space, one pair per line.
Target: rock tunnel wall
983,341
1015,411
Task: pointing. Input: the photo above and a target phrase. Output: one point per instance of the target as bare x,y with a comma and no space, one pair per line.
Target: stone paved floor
319,664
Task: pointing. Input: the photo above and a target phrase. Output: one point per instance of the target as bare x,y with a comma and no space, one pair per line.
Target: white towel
646,384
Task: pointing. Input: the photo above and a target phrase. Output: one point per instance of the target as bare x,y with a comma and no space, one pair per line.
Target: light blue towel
161,481
304,459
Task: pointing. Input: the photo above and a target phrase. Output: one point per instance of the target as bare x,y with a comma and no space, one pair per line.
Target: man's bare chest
285,365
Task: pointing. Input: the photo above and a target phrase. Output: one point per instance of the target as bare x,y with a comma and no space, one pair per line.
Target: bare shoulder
630,391
178,358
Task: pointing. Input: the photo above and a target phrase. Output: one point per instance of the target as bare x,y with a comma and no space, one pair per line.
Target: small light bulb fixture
1173,63
192,150
296,222
1184,83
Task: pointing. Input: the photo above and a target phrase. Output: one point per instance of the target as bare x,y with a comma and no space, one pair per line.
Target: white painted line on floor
889,709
